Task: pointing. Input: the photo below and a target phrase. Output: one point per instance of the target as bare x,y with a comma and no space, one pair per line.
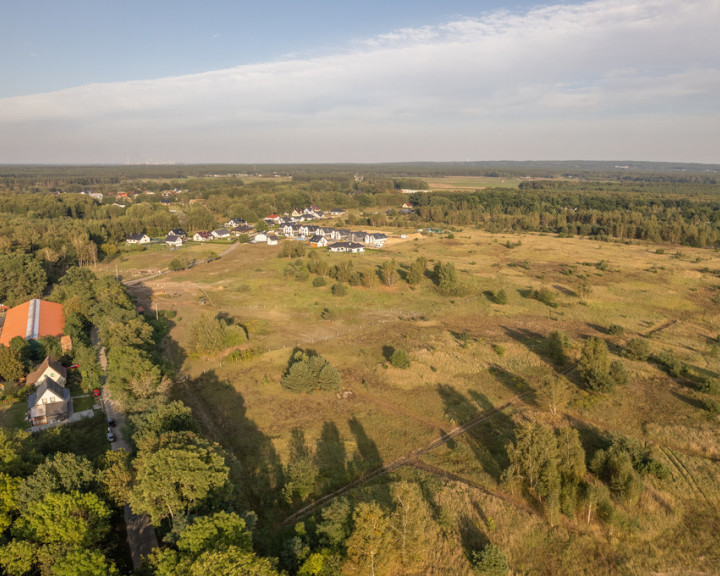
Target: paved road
140,532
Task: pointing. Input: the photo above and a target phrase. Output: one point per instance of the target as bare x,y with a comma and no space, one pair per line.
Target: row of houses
312,232
305,215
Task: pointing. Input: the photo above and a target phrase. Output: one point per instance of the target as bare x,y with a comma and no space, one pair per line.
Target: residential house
318,241
49,403
48,369
202,236
272,241
326,231
296,214
356,236
259,238
235,222
352,247
337,212
287,229
138,239
342,234
377,239
244,229
220,234
407,205
308,230
174,241
178,232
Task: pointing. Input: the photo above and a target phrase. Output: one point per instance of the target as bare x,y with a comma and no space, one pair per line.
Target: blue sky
333,81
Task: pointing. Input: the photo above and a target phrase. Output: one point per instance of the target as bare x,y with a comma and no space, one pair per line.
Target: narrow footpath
140,532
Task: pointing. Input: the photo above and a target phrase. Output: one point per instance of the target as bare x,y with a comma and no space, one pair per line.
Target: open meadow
469,353
471,183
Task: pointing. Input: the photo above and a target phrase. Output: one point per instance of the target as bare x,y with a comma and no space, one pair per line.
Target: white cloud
604,79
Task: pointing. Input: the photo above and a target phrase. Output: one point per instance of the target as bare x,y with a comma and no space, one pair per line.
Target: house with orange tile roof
32,320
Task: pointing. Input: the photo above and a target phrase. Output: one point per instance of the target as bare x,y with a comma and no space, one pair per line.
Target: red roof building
33,319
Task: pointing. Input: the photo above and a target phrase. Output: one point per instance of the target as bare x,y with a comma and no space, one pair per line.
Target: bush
308,371
499,350
557,343
491,561
328,314
546,296
672,365
616,330
618,373
400,359
177,264
637,349
319,281
710,386
595,365
339,289
500,297
712,406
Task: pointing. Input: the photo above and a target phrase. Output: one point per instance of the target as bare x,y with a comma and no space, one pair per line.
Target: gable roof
137,237
46,385
317,238
34,376
33,319
172,238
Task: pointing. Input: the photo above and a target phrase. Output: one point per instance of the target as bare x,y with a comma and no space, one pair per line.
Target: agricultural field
469,353
470,183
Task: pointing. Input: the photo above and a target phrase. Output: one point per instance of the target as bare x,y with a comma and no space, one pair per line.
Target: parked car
110,436
111,422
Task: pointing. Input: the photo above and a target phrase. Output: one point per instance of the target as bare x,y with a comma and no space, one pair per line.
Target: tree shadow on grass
694,402
366,459
472,538
487,439
330,457
222,412
533,341
514,383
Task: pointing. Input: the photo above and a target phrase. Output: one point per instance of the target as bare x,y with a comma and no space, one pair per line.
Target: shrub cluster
308,371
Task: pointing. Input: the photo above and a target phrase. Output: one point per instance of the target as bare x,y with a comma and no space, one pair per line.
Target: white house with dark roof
376,239
51,369
259,238
202,236
318,241
174,241
352,247
220,233
137,239
49,403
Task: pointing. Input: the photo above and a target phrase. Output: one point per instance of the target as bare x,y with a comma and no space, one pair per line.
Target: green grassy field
471,183
80,404
13,415
457,373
